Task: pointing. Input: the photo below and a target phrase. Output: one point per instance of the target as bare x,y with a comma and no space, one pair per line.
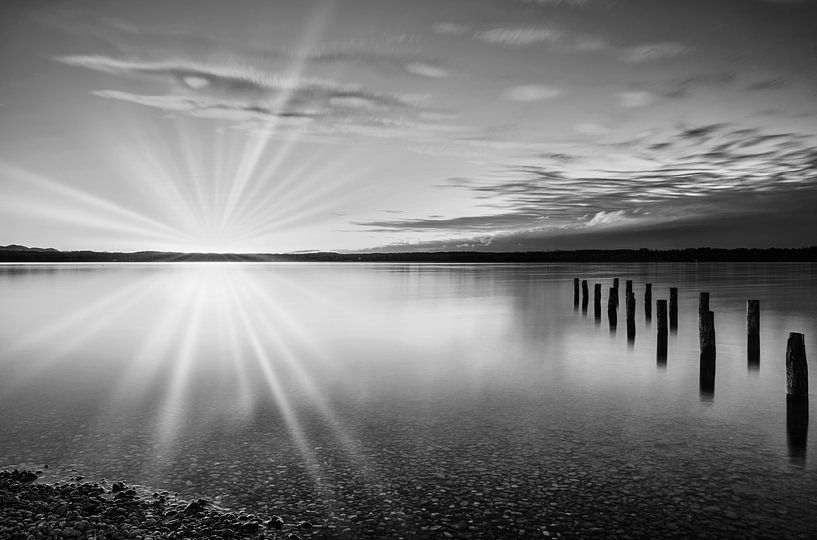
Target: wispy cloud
602,218
684,86
696,171
592,129
514,37
519,37
562,39
209,107
451,29
426,70
376,54
256,100
531,92
648,52
768,84
635,98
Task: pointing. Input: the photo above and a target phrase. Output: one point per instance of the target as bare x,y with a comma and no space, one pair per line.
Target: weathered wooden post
576,292
648,302
630,316
673,308
597,301
796,396
706,333
615,286
796,367
703,307
585,296
612,313
753,333
628,288
661,309
703,303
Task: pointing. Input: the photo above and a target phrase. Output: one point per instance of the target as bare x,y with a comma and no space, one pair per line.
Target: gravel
30,509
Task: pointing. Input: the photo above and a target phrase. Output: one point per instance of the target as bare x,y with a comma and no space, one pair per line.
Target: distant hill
14,253
15,247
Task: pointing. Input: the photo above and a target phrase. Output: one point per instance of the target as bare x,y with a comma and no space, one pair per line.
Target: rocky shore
30,509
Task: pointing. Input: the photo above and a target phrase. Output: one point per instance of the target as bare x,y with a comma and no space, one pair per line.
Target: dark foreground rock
33,510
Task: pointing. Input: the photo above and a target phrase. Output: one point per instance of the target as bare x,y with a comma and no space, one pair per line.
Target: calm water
425,397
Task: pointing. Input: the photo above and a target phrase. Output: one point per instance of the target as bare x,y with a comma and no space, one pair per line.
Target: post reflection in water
661,353
753,334
797,427
706,380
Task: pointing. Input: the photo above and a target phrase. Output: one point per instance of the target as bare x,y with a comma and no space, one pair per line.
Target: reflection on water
707,376
797,426
332,370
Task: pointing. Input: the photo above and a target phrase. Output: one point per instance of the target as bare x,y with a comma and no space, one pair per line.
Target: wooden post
706,333
628,287
612,314
703,303
796,366
585,296
631,316
661,309
615,286
796,396
575,292
753,333
648,302
673,308
597,301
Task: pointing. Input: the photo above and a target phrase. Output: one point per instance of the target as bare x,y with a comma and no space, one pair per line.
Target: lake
416,400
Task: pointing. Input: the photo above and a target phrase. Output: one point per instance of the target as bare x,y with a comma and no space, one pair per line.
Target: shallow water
426,397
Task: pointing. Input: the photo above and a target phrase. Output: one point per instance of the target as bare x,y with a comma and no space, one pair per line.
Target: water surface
373,398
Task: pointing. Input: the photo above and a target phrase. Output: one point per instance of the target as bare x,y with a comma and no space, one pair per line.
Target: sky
402,125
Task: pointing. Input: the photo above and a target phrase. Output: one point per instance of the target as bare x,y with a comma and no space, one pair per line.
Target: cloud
768,84
240,82
262,102
592,129
377,54
519,37
206,107
691,174
426,70
602,218
648,52
451,29
531,92
462,223
682,87
635,98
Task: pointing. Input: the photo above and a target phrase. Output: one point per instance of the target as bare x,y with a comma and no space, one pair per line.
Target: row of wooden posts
796,365
797,407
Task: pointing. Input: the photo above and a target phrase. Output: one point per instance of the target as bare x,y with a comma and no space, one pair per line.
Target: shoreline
31,508
11,254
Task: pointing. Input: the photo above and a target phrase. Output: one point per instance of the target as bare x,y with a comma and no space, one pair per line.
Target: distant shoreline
19,254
